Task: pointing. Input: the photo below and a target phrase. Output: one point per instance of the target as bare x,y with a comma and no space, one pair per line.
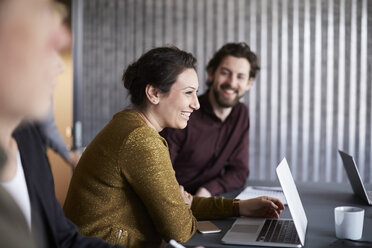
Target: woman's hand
263,206
186,196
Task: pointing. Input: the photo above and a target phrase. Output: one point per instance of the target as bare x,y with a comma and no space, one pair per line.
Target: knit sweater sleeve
149,171
212,207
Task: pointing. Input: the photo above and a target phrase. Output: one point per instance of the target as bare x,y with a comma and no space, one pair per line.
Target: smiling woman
124,188
163,85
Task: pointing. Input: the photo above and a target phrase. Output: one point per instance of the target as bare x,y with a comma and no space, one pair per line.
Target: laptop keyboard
279,231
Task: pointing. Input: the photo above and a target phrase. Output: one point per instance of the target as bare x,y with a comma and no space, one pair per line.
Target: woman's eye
188,92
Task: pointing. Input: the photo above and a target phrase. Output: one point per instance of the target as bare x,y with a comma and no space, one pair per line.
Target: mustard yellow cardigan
124,189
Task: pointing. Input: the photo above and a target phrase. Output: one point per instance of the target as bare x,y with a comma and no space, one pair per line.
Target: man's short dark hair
239,50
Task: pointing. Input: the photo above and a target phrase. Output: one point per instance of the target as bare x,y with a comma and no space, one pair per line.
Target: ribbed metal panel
311,98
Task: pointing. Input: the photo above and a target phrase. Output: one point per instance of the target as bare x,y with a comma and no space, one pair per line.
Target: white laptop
273,232
354,178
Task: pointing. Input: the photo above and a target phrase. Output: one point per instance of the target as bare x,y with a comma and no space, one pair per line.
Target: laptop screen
353,175
293,199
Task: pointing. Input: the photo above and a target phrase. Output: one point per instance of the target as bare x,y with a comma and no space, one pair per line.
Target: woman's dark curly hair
158,67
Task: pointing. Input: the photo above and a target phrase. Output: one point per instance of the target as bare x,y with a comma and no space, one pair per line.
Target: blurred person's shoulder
14,230
28,131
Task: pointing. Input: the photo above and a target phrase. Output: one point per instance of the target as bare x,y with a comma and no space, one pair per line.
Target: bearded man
210,156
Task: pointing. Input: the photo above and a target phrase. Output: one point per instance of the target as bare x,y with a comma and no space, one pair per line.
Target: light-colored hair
59,9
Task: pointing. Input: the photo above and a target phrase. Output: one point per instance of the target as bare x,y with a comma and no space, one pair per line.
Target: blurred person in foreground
14,231
31,34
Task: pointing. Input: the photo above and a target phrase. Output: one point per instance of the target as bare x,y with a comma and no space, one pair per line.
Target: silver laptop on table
354,177
273,232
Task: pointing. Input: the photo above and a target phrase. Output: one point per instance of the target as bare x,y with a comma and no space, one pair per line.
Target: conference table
319,201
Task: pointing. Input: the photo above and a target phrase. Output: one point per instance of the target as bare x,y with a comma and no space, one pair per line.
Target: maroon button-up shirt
209,153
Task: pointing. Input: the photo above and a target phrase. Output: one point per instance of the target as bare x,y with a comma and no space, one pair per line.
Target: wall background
63,110
312,97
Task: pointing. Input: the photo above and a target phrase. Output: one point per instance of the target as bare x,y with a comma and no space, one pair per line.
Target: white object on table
175,244
349,222
256,191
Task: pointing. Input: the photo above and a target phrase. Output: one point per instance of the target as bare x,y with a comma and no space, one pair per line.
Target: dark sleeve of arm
175,139
236,172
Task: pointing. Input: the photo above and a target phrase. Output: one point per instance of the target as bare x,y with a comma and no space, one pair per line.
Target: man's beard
220,98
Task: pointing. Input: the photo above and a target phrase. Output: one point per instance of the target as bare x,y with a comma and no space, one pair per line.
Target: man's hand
263,206
203,192
74,158
186,196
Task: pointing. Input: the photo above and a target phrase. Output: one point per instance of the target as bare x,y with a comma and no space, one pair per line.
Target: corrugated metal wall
312,96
